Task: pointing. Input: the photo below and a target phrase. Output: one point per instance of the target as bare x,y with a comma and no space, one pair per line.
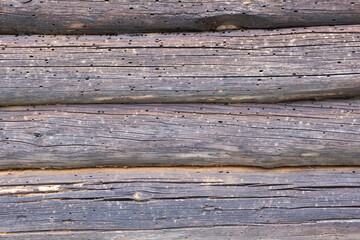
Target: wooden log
265,135
148,203
238,66
129,16
339,229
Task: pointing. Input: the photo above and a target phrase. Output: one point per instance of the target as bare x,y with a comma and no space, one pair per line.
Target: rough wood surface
238,66
266,135
175,203
129,16
336,230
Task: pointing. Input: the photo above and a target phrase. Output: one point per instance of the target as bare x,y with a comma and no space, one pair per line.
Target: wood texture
175,203
266,135
238,66
344,230
130,16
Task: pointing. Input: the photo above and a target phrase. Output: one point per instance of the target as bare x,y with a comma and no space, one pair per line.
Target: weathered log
266,135
129,16
238,66
174,203
338,229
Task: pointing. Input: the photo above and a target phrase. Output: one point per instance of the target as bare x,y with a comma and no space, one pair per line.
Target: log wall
187,95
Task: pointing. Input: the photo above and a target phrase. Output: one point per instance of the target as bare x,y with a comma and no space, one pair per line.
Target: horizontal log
129,16
344,230
265,135
238,66
175,203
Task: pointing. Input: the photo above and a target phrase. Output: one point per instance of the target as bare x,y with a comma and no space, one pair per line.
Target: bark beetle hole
37,135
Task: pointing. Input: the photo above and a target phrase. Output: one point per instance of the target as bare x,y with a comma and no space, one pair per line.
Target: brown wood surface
129,16
266,135
237,66
175,203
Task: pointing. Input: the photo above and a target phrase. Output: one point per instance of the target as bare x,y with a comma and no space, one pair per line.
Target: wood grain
175,203
132,16
237,66
266,135
344,230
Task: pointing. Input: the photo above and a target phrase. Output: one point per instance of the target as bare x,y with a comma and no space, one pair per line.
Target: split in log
265,135
237,66
129,16
175,203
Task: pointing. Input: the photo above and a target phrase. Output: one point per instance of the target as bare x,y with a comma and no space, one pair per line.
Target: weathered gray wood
344,230
266,135
249,66
279,203
124,16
